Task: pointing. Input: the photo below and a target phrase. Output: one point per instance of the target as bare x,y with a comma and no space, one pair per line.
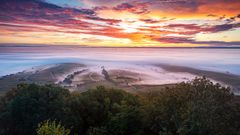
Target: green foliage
96,107
126,122
29,104
52,128
198,107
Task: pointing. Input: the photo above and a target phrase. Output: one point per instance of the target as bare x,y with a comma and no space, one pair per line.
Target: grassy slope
45,76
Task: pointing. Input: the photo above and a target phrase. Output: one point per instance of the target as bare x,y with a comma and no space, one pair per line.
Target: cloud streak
140,25
179,40
135,8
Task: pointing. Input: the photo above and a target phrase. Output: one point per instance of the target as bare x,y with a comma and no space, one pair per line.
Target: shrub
51,128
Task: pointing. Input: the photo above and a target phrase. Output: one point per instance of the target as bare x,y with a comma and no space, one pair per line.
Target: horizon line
88,46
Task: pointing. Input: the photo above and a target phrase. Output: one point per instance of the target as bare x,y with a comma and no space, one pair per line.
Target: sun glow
121,23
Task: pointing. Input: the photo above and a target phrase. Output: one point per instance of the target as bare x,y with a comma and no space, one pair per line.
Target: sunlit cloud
120,22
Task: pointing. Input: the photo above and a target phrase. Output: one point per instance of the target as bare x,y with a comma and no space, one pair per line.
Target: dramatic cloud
38,14
194,28
123,22
152,21
136,8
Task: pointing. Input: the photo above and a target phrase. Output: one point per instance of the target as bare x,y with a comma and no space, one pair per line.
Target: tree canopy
198,107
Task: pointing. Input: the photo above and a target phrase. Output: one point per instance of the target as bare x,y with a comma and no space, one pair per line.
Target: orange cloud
124,22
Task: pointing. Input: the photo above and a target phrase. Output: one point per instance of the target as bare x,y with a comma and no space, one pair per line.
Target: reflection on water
17,58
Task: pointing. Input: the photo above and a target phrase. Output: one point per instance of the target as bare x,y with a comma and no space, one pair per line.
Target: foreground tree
198,107
96,111
29,104
52,128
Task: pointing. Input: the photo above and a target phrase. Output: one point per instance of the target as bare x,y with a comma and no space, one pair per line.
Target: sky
121,23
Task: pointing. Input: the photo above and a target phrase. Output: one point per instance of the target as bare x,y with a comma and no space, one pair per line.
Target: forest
197,107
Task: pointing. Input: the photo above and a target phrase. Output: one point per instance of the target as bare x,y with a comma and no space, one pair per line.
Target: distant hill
41,75
79,77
